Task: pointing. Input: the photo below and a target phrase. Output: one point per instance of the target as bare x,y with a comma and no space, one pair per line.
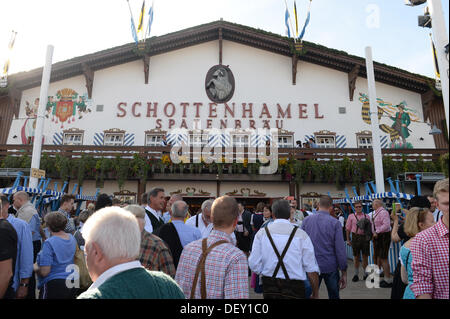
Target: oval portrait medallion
219,84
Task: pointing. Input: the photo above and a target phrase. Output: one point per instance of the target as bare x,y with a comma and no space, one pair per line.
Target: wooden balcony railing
74,151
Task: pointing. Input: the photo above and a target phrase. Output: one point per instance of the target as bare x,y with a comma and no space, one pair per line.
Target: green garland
311,171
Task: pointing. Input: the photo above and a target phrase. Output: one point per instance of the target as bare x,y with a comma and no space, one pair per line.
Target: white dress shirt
148,224
201,224
437,214
299,258
114,271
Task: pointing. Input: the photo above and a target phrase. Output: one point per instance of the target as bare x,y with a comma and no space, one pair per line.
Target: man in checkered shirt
429,250
226,267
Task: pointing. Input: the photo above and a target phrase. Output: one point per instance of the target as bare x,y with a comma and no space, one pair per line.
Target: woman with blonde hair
417,220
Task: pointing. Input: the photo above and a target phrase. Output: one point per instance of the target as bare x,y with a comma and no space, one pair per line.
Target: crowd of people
161,250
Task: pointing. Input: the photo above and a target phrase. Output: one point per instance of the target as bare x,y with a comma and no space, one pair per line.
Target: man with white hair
202,220
176,234
113,240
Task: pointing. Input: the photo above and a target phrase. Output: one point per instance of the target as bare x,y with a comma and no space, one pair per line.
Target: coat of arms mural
67,107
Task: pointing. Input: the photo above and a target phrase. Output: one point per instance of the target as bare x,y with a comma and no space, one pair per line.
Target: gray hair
207,204
115,231
136,210
281,209
179,209
379,202
23,195
153,193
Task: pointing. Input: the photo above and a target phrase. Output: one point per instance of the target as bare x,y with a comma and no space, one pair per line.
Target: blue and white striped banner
374,196
177,138
129,139
259,140
98,139
340,141
384,141
219,139
58,138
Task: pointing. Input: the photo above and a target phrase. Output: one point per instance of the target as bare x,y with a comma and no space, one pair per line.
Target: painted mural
399,117
67,107
29,126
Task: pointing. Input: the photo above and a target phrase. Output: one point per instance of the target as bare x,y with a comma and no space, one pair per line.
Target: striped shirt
429,250
226,269
155,255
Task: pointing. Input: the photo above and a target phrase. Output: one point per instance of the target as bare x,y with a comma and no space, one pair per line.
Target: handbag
80,261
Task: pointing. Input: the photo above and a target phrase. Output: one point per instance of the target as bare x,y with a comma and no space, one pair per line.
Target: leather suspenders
201,268
280,258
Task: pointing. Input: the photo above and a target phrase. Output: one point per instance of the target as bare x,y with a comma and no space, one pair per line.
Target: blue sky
81,27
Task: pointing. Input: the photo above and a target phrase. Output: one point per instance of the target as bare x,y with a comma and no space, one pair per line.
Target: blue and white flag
133,31
150,19
286,21
300,37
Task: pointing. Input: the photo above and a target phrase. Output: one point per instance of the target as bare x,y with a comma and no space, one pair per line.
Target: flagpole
376,145
290,22
441,40
37,143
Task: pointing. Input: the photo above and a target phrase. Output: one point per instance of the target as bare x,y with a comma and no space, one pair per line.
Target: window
285,142
153,140
240,140
113,139
364,141
73,139
195,140
326,141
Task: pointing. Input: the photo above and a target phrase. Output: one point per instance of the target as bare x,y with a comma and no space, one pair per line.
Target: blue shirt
35,225
328,241
24,260
186,233
57,253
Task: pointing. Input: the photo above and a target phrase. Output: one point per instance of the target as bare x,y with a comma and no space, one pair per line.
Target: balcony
145,162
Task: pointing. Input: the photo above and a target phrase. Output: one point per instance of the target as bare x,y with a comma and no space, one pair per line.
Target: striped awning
372,197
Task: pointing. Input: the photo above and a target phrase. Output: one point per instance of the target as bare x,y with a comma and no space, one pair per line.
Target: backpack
365,226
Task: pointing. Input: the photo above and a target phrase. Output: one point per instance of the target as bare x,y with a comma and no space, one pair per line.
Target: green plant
121,167
63,167
140,167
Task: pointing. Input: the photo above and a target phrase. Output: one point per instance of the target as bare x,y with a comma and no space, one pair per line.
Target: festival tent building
220,85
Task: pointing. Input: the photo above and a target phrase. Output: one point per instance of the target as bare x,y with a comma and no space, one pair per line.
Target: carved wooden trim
294,69
125,192
155,131
146,60
311,194
352,77
73,130
282,132
89,76
114,130
364,133
325,132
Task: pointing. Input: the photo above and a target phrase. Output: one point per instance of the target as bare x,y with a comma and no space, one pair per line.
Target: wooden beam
146,60
352,76
294,69
89,76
